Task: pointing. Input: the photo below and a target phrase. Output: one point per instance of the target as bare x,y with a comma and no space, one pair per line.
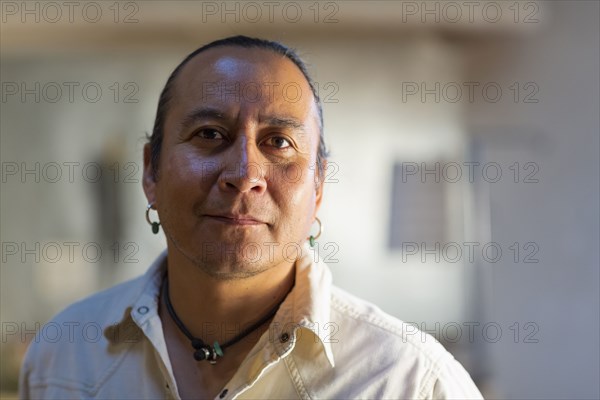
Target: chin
230,260
232,266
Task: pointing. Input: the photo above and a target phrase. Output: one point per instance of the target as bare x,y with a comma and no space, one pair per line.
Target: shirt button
284,337
223,393
143,310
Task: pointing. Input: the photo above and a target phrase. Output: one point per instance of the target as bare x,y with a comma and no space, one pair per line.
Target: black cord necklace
203,351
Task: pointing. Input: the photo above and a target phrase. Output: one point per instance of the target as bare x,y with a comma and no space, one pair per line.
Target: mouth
236,219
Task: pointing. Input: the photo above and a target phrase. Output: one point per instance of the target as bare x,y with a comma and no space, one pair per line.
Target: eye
278,142
210,134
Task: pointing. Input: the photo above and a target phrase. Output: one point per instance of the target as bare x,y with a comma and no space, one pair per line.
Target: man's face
236,187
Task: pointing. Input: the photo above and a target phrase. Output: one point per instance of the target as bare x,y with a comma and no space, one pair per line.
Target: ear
319,188
148,179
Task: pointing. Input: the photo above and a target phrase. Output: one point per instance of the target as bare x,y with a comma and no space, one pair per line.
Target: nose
242,172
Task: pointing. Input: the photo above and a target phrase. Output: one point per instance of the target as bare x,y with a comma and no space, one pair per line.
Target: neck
219,309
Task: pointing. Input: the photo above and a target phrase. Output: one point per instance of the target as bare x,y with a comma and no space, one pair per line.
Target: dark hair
245,42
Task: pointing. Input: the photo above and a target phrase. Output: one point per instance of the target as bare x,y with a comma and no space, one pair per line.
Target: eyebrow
285,122
215,114
200,113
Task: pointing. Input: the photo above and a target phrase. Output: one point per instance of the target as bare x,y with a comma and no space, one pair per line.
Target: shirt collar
140,305
312,297
306,308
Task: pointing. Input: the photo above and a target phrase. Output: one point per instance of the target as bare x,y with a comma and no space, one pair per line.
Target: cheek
183,165
183,174
295,173
294,189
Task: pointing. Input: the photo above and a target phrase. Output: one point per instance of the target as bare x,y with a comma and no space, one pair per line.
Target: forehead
230,76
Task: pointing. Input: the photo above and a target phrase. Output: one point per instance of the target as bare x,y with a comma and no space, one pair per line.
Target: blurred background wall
462,192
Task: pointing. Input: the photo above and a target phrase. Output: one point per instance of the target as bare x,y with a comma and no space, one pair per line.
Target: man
238,306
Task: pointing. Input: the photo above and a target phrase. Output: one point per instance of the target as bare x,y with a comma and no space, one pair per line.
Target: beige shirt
322,343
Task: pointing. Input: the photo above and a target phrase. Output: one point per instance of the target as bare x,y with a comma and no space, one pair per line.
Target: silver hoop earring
311,239
154,225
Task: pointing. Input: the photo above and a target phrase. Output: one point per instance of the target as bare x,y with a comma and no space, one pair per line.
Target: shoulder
103,308
59,355
413,362
375,325
107,306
